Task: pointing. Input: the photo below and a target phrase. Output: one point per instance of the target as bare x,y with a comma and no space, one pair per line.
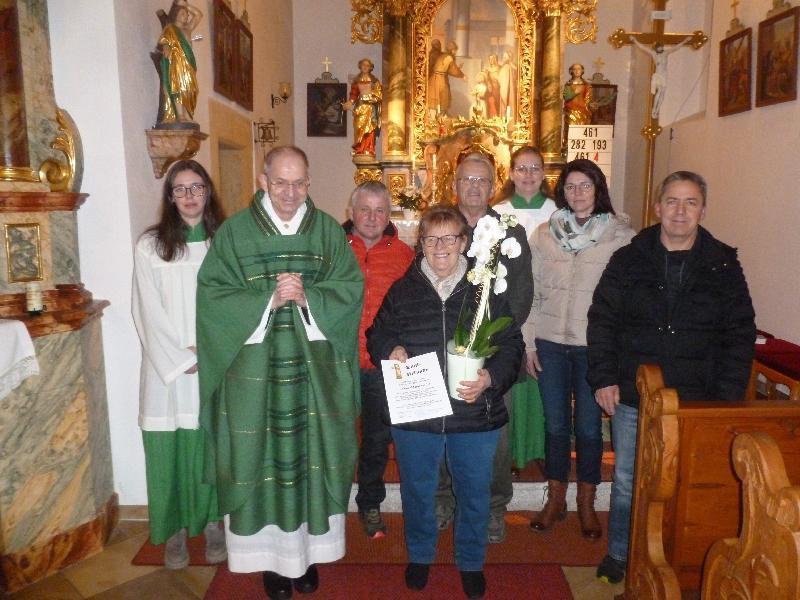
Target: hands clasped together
289,288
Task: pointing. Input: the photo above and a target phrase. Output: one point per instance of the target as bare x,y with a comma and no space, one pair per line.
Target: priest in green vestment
278,306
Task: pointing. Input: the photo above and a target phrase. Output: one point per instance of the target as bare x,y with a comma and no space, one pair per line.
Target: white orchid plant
473,335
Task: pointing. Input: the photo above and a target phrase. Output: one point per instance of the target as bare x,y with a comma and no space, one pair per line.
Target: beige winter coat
563,283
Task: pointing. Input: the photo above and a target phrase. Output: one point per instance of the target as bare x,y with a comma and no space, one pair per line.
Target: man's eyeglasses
281,186
528,169
473,180
430,241
196,189
571,188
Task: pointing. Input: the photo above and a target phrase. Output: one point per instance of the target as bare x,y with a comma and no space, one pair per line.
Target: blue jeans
624,424
563,373
469,458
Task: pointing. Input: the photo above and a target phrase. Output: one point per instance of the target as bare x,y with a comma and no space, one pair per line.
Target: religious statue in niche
176,66
365,102
658,82
577,98
441,66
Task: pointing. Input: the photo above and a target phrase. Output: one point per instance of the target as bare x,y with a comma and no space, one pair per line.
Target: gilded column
397,90
15,159
550,123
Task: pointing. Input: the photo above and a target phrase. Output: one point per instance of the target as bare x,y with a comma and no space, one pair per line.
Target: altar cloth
17,355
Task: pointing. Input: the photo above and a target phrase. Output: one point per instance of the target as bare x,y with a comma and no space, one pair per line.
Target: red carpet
562,545
367,582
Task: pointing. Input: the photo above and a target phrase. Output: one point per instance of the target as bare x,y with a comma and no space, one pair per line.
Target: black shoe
474,583
611,570
373,523
277,586
308,583
417,576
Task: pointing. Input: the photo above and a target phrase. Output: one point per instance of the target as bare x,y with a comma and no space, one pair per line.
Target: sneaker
417,576
444,516
611,570
373,523
176,552
497,528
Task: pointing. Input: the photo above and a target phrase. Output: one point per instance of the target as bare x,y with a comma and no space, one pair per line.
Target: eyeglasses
281,186
571,188
430,241
196,189
528,169
473,180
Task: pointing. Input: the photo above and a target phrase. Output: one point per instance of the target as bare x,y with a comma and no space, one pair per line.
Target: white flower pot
460,367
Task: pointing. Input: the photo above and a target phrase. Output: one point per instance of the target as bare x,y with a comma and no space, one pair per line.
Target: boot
214,534
555,509
590,526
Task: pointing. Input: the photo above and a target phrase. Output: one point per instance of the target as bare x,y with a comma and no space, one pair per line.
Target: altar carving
472,68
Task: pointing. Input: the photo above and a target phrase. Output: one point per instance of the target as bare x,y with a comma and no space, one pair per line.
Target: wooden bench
764,561
686,495
771,378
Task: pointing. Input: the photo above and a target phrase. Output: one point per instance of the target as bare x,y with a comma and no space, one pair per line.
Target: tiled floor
111,576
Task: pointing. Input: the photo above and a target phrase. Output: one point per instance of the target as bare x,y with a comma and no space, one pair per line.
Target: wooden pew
771,379
764,561
686,495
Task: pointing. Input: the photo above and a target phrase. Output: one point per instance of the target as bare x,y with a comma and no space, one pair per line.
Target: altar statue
577,96
176,66
365,102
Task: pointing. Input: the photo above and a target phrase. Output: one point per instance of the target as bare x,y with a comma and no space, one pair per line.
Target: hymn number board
593,142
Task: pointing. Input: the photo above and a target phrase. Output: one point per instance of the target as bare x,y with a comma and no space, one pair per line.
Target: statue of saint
365,102
176,66
577,96
444,67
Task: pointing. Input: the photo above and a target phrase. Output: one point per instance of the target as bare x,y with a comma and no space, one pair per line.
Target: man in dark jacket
675,297
383,259
473,185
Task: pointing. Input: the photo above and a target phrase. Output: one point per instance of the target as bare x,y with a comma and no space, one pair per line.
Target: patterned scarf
572,237
444,286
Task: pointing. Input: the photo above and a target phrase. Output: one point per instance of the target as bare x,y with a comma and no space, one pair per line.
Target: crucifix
327,62
657,44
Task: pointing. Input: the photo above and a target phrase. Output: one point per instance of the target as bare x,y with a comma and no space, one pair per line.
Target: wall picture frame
225,43
736,73
776,63
23,251
243,90
325,115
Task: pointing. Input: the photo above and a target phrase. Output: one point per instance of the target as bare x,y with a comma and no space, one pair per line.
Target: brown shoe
555,509
590,526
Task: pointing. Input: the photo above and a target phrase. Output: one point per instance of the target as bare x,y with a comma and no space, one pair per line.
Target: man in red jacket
383,259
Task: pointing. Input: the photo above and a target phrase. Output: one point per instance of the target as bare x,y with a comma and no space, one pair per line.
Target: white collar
289,227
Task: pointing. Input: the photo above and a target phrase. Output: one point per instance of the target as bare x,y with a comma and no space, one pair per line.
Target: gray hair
684,176
372,188
478,158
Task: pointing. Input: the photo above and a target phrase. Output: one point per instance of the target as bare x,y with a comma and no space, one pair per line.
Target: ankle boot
556,507
590,526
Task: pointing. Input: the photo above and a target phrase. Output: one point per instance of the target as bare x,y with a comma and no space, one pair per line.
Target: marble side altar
57,500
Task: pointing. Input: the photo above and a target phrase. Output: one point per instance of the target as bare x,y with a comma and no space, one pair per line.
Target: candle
434,163
33,298
508,114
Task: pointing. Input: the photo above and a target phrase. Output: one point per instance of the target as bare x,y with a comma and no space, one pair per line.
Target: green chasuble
280,415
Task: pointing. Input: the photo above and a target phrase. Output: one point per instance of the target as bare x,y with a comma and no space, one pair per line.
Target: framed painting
225,42
735,73
23,251
776,66
244,66
604,103
326,117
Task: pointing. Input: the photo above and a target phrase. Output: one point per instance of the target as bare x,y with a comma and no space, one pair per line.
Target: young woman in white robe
166,261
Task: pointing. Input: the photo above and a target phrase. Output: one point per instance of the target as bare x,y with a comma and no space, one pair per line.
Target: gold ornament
367,21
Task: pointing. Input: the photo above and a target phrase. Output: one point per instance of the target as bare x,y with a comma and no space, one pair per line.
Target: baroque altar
462,76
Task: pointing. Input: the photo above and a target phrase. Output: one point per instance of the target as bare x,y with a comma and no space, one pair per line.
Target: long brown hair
507,191
170,231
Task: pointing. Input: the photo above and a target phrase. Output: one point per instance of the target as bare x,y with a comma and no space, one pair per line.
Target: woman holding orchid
420,314
569,254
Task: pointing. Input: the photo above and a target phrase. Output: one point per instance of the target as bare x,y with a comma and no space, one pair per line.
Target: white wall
84,34
322,28
752,173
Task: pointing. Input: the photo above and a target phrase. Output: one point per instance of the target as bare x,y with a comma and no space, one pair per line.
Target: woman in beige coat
568,255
